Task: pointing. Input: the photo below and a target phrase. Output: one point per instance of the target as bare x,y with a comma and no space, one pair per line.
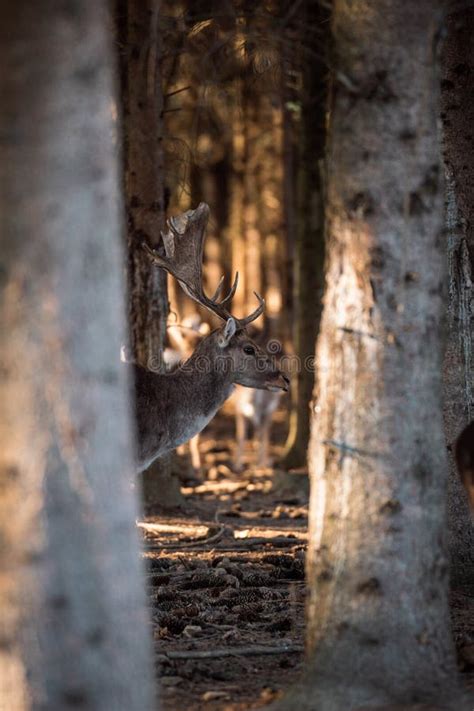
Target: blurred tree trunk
457,112
144,177
208,184
270,206
237,199
221,176
308,276
145,205
378,619
252,108
289,108
245,199
67,514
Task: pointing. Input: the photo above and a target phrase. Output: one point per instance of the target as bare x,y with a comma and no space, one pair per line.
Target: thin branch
177,91
211,540
257,650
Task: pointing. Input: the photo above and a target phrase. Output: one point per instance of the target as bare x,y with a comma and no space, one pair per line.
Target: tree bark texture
237,200
144,176
71,585
378,621
457,114
308,277
145,204
289,97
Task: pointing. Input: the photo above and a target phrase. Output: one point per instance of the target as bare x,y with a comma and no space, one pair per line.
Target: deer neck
208,385
171,408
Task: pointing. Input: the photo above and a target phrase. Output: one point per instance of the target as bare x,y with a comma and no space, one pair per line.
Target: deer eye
249,350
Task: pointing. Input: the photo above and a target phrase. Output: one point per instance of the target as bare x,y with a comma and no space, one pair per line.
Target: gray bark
378,619
145,206
144,177
308,276
71,584
457,113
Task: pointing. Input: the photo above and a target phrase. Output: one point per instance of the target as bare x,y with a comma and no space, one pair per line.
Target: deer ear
227,332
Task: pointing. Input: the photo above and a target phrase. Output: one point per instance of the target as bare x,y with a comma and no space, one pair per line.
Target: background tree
142,106
70,618
457,113
378,623
144,174
308,266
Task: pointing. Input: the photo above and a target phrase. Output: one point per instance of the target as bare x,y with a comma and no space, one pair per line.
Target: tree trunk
270,203
144,178
378,620
457,113
237,200
145,204
309,253
73,624
289,99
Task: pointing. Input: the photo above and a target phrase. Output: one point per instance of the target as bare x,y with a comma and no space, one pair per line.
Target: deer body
183,339
172,408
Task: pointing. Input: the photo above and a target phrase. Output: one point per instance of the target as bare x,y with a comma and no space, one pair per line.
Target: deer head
229,348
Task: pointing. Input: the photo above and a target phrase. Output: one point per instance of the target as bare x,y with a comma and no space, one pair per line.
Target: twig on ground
275,541
210,540
255,650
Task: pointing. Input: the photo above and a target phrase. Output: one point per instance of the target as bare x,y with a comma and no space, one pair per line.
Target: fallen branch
231,652
169,577
177,545
187,528
275,541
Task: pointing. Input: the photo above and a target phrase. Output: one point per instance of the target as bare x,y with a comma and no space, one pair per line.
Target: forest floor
226,582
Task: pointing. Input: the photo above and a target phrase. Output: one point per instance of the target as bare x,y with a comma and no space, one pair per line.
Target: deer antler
184,247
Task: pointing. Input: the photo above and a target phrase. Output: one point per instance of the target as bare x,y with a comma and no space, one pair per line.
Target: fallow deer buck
173,407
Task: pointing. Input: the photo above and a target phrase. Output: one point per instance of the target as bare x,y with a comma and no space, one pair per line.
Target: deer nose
286,381
279,381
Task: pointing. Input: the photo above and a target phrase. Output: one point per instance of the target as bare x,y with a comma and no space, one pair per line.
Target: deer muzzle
278,382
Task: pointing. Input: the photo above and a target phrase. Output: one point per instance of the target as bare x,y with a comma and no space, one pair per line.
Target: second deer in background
255,409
